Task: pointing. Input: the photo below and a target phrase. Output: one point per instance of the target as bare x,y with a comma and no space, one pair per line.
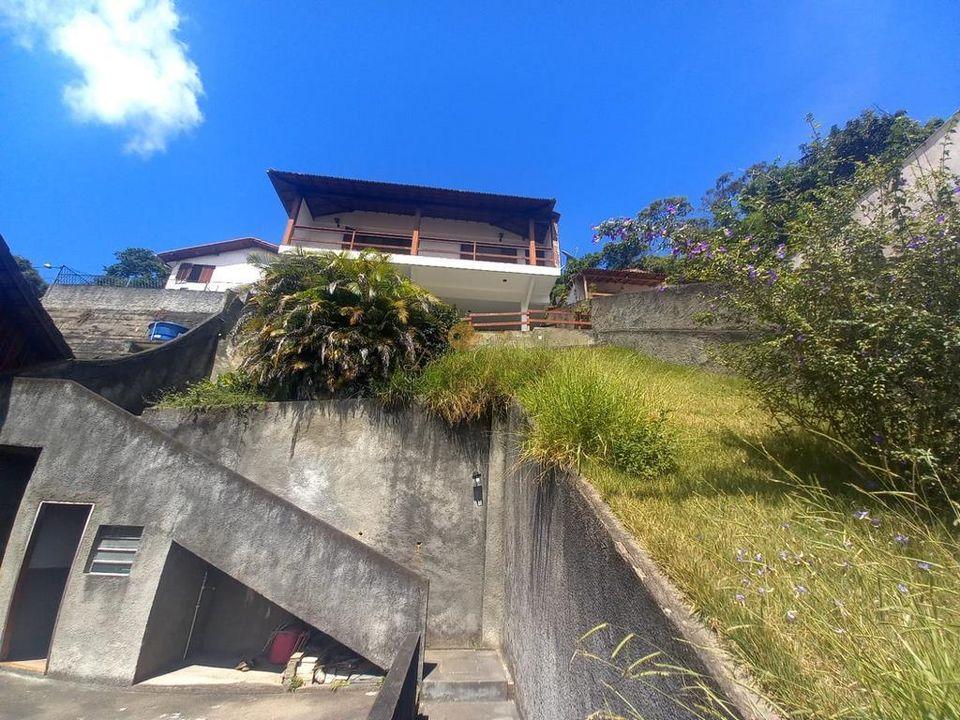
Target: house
216,266
479,251
596,282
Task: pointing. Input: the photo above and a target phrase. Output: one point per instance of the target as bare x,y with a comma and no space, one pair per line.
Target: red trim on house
216,248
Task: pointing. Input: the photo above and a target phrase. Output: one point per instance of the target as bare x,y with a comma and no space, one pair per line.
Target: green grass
806,577
230,390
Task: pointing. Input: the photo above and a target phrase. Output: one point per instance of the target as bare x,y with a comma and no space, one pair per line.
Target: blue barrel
164,331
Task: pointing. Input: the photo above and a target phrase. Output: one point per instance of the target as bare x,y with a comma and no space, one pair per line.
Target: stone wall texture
661,323
101,322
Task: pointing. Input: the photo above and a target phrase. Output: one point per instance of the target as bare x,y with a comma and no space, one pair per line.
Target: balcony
473,250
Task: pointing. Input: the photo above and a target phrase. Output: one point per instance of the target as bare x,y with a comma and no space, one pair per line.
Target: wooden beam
415,243
291,221
555,233
533,242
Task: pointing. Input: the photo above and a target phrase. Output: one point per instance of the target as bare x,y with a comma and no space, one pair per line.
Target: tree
139,266
30,274
758,204
326,324
637,242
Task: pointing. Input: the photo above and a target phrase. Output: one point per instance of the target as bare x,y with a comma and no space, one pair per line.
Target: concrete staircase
466,685
103,332
101,321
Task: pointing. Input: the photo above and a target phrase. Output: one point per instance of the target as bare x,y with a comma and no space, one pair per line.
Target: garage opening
43,577
16,467
206,628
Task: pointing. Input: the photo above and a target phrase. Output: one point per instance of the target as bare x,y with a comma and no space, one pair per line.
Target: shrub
856,316
327,324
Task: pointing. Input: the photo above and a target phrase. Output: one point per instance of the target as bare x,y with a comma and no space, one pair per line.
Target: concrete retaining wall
132,474
569,567
661,323
101,322
400,482
132,381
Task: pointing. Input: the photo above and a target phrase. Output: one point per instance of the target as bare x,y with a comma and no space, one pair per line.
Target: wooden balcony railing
529,320
429,246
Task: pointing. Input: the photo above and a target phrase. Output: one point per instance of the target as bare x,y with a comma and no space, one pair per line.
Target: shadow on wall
399,481
134,475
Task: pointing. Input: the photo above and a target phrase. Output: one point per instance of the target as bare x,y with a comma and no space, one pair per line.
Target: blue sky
602,105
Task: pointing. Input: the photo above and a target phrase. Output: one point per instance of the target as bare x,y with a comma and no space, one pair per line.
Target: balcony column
555,236
291,221
525,308
415,243
533,243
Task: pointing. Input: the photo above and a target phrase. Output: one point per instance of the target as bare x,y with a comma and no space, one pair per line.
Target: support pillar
291,221
525,308
415,242
533,243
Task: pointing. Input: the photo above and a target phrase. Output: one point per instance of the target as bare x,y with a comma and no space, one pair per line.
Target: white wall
941,151
231,269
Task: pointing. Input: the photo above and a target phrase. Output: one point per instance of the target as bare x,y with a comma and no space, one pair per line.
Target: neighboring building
27,334
595,282
216,266
478,251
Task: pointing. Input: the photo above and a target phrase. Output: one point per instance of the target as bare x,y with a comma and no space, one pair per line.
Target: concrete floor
211,671
23,697
469,711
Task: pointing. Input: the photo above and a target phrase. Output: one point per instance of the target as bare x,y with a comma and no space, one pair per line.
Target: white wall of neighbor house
939,152
941,149
230,270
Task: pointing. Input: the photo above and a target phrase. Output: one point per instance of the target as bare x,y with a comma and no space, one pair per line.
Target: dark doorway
16,466
43,577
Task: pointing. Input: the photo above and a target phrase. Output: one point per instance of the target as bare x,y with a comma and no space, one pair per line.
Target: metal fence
72,277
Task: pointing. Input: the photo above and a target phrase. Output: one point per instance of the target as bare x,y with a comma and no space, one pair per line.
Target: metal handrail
72,277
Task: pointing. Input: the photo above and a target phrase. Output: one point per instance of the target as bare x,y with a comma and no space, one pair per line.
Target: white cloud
134,72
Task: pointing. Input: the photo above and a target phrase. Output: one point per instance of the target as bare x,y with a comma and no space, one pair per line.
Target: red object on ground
284,643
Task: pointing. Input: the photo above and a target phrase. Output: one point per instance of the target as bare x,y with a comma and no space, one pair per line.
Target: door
43,578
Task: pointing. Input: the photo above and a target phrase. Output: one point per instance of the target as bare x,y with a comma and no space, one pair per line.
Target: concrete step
504,710
465,676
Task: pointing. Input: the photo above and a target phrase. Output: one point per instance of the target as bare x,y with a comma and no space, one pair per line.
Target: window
114,549
189,272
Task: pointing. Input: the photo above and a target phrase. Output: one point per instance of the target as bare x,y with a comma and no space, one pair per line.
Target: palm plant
331,325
